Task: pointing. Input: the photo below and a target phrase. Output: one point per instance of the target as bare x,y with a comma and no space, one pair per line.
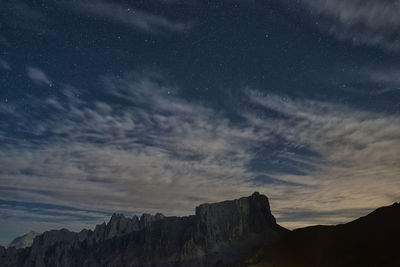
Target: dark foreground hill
372,240
240,232
218,234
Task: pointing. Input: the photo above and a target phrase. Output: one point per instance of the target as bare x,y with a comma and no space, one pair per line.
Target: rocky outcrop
23,241
118,225
229,220
218,234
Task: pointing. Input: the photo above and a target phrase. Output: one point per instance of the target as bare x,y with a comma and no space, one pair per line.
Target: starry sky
160,105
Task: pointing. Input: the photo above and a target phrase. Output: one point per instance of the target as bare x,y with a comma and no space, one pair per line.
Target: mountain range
241,232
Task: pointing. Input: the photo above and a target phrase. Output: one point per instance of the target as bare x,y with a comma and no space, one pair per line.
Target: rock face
23,241
218,234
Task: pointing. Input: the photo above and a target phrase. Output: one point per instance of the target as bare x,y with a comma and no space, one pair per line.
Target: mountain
23,241
372,240
219,234
241,232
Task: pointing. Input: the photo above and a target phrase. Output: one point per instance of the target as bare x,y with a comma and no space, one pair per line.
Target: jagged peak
117,217
147,219
32,233
102,225
146,216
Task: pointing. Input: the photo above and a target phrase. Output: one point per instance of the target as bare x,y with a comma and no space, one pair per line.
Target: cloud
17,218
38,76
17,222
127,154
33,18
364,22
129,16
387,80
145,150
294,217
357,167
4,65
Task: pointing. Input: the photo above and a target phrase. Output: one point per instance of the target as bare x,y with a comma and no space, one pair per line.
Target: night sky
161,105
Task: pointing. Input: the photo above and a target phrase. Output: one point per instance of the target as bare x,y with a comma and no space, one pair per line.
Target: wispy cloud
129,16
17,218
369,22
145,150
387,80
128,154
38,76
357,167
4,65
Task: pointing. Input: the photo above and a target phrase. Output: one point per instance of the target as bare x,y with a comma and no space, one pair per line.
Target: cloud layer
358,152
147,150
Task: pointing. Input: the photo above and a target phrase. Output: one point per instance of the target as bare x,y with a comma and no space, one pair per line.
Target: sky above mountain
161,105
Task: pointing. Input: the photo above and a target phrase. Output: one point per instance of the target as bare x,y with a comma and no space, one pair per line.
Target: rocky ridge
218,234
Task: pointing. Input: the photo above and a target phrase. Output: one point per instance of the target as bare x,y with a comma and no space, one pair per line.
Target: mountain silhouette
241,232
219,234
372,240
